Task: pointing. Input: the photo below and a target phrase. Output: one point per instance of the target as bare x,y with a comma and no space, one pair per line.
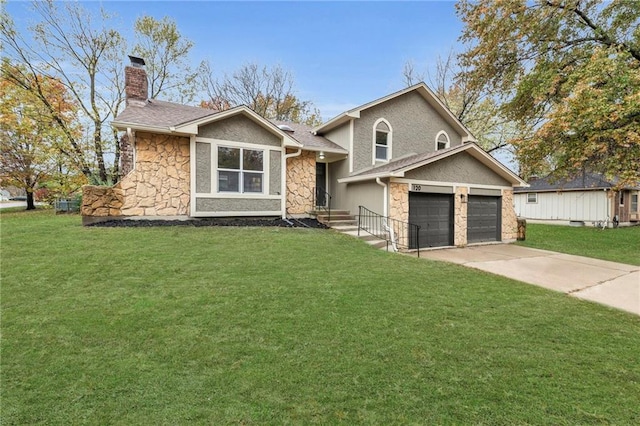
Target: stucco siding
275,173
239,128
203,167
414,124
222,205
367,194
459,168
337,190
569,205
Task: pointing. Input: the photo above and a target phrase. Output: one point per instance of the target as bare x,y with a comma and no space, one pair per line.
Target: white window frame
442,132
635,199
535,198
240,170
389,141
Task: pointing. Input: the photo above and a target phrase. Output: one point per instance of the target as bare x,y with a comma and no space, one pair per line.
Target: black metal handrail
322,201
403,235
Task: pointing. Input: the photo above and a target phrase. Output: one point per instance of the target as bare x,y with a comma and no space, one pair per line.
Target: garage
483,219
434,214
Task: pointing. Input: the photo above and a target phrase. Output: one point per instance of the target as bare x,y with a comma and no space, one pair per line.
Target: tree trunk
30,204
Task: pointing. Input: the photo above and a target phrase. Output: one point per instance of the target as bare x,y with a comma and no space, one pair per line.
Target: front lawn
618,245
290,326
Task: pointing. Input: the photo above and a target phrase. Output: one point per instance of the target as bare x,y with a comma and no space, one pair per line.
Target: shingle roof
405,162
157,113
303,134
583,181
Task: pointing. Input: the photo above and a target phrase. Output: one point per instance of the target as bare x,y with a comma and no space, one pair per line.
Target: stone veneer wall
460,216
301,180
101,201
399,201
157,186
509,218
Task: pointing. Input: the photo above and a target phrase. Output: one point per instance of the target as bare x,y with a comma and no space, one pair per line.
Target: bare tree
267,91
165,52
476,109
69,46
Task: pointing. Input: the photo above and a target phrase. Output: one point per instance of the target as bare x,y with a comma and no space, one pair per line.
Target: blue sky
342,54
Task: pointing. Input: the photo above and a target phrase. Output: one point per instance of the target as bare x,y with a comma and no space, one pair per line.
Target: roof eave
123,125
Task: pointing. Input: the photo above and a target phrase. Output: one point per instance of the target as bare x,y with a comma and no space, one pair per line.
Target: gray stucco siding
337,190
458,168
239,129
221,205
367,194
203,167
275,172
415,125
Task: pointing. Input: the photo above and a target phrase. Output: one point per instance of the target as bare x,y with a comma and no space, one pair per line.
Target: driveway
610,283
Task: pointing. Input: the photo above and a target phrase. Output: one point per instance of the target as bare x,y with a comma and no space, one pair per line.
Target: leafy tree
267,91
30,139
86,55
568,69
69,46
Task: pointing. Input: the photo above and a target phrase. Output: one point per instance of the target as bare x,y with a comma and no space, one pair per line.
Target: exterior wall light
463,198
321,156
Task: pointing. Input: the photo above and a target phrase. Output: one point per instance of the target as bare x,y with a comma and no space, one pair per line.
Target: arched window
381,140
442,140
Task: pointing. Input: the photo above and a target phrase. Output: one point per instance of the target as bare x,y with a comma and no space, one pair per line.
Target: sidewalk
609,283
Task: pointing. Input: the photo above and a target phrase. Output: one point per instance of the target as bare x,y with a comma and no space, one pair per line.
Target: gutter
283,179
385,197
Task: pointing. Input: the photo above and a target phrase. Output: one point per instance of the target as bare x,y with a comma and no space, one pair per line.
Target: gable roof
583,182
398,168
168,117
311,142
160,114
420,88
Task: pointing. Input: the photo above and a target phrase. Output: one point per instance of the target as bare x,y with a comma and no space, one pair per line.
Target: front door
321,184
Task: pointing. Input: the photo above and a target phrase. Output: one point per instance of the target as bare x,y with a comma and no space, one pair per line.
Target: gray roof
584,181
157,113
303,134
405,162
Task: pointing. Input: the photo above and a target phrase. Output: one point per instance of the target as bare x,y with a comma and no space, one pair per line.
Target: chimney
135,82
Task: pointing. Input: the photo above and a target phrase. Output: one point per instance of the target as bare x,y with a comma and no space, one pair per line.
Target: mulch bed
134,223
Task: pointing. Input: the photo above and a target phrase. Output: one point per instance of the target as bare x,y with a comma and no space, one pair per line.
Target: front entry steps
346,223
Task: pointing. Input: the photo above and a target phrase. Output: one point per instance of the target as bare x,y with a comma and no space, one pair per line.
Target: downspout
385,196
283,179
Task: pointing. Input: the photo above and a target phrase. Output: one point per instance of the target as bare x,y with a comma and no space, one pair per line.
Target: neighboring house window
634,202
532,197
240,170
442,141
621,198
382,140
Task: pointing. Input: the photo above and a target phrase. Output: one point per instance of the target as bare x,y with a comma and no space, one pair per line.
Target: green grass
618,245
290,326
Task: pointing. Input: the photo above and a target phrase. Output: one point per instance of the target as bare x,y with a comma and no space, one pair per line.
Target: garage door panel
434,214
483,219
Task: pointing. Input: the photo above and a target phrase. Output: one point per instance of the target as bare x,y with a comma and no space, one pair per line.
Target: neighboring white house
589,197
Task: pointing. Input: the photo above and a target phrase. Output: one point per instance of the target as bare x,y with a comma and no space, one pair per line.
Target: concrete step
324,212
344,222
325,217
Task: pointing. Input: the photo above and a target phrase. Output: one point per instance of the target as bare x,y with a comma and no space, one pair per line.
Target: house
589,197
404,156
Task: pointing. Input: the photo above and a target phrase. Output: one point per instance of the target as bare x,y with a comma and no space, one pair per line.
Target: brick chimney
136,85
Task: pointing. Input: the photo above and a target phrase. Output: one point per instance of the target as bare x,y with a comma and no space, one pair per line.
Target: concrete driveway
609,283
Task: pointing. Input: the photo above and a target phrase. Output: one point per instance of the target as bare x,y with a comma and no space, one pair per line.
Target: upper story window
442,141
382,140
240,170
